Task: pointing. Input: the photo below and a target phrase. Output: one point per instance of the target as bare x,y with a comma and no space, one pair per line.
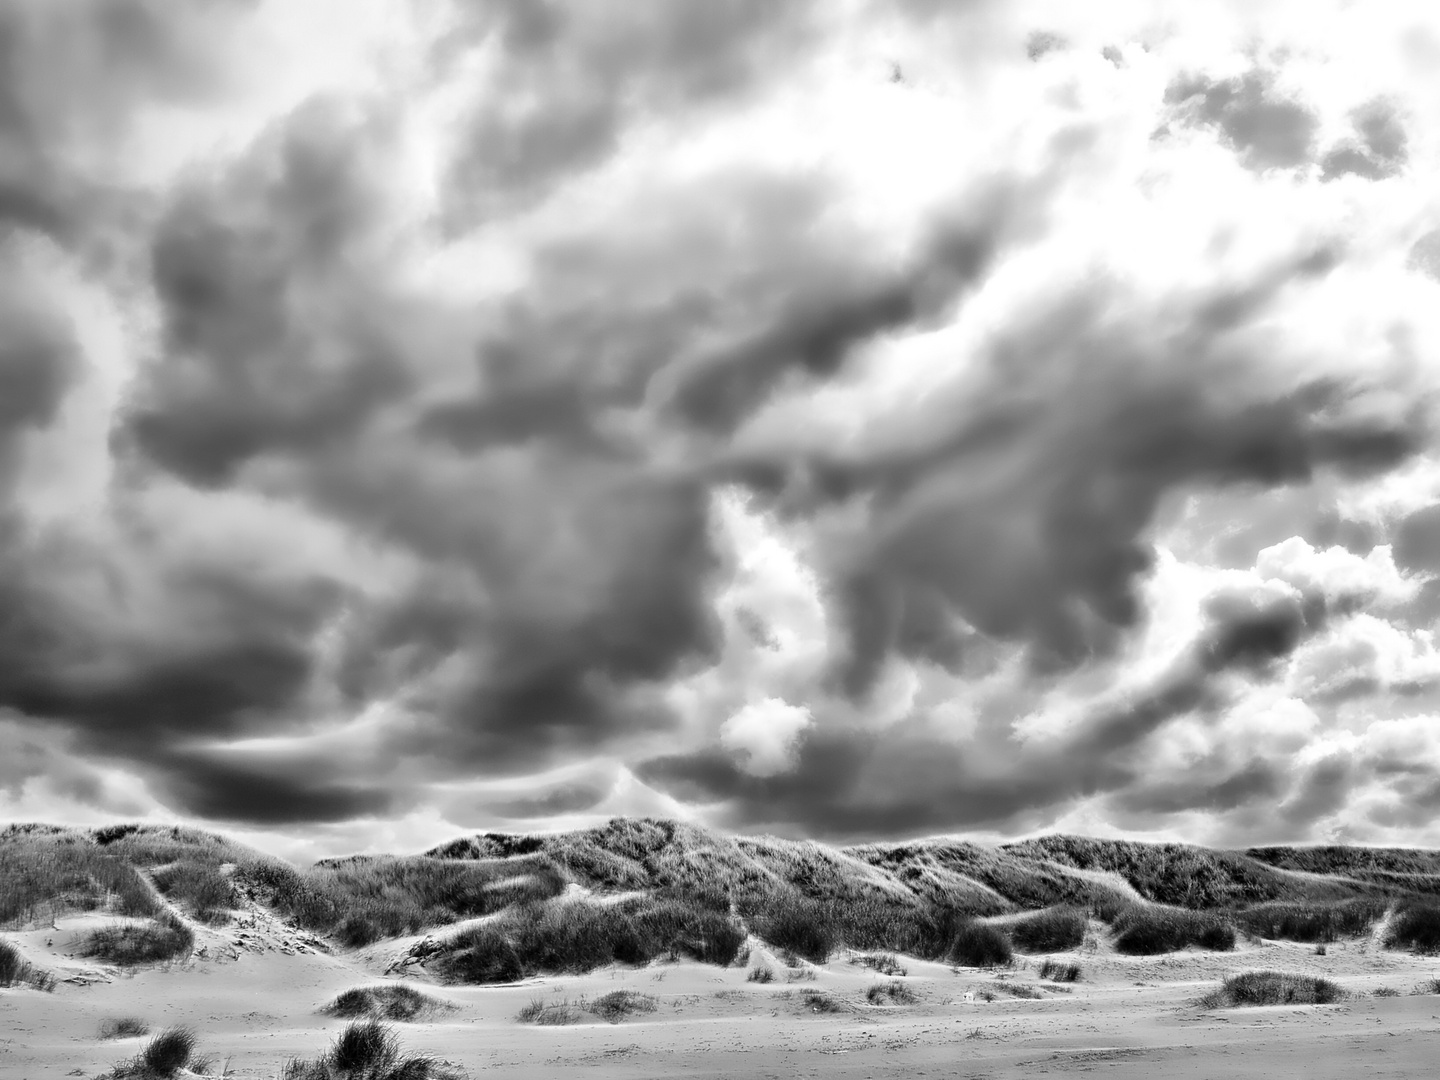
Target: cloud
535,411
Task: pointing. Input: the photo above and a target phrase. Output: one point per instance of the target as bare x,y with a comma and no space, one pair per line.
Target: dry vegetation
16,971
1272,988
387,1001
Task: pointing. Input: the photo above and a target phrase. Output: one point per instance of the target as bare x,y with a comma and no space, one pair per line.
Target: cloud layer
845,419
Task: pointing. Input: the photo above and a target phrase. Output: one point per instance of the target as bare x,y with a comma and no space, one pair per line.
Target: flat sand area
253,997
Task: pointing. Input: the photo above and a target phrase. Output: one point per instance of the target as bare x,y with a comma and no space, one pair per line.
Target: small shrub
1320,950
1428,986
1052,930
1058,972
800,926
391,1001
1385,991
819,1001
15,970
549,1013
1147,931
980,945
1273,988
1416,928
891,993
618,1004
169,1052
145,943
123,1027
884,964
761,973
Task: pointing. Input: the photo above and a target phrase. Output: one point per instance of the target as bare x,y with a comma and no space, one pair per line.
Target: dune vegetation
637,890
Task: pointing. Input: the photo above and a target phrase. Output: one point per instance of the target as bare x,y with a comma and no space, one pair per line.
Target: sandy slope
253,997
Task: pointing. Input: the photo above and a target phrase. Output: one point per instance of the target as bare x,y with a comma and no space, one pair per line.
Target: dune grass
890,993
578,936
200,888
1056,971
15,970
618,1004
123,1027
46,871
881,963
761,973
1311,922
550,1013
979,945
163,1056
131,944
368,1050
387,1001
1415,927
1152,929
819,1001
1052,930
1273,988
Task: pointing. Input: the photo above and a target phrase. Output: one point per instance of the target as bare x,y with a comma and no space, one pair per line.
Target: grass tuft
1273,988
169,1052
761,973
1055,971
123,1027
1385,992
1147,931
549,1013
800,926
890,993
15,970
1317,922
389,1001
618,1004
165,938
367,1050
1053,930
883,963
1415,927
979,945
819,1001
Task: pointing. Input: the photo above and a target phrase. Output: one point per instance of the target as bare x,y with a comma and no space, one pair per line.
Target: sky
855,419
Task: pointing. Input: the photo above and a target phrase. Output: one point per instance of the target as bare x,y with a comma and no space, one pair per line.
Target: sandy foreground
254,993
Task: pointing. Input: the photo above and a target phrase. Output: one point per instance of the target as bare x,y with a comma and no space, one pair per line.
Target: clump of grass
390,1001
819,1001
170,1051
761,973
1320,950
15,970
1018,990
1427,986
1273,988
890,993
1320,922
549,1013
979,945
1147,931
801,973
201,887
883,963
145,943
618,1004
1415,927
1385,992
800,926
1052,930
123,1027
1055,971
367,1050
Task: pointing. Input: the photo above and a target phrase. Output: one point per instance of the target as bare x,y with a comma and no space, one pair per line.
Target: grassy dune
653,888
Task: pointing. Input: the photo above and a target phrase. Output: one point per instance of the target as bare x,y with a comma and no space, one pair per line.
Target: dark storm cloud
1265,128
268,347
572,79
1255,781
284,793
1379,149
1023,507
561,799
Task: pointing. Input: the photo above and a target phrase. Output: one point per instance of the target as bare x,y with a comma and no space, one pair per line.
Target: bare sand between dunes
253,998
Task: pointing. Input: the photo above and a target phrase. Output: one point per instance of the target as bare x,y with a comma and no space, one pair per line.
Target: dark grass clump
46,871
980,945
883,963
1053,930
1311,922
15,970
761,973
480,954
1147,931
891,993
798,925
390,1001
1018,990
1417,928
1385,992
550,1013
368,1050
204,891
618,1004
818,1001
1058,972
123,1027
165,938
169,1052
1273,988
